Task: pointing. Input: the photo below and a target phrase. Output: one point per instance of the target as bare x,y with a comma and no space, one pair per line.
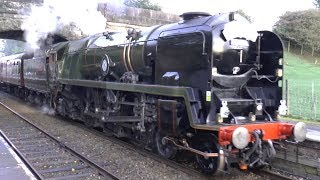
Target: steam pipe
256,144
203,42
258,58
273,151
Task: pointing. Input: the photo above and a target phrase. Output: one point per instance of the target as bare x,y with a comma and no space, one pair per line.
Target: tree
245,15
301,27
317,3
144,4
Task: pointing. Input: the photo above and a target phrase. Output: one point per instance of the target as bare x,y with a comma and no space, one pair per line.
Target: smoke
118,3
45,109
53,15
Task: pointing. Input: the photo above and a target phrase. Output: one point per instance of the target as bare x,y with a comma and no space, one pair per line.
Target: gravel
123,162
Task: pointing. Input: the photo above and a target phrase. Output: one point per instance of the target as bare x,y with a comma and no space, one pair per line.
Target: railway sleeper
27,138
31,141
35,148
63,168
38,153
51,157
76,176
37,145
23,132
60,161
9,128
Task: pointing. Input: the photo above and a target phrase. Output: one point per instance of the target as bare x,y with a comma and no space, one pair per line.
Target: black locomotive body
211,85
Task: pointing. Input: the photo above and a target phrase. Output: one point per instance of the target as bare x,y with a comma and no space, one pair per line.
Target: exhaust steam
54,15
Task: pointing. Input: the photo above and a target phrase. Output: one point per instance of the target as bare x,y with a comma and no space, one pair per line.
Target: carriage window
9,47
19,68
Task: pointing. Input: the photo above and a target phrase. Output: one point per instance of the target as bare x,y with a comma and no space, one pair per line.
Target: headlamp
240,137
300,131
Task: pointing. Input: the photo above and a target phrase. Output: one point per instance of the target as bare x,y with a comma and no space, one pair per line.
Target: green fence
302,98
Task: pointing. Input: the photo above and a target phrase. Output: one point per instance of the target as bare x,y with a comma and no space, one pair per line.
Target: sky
264,12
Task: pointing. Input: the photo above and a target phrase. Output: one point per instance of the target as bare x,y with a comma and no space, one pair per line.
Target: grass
297,67
301,74
298,119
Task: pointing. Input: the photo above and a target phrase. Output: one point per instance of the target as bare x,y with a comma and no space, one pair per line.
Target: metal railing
303,98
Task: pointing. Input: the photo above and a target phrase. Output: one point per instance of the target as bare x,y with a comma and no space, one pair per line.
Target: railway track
46,156
142,151
178,166
264,173
269,174
94,153
300,160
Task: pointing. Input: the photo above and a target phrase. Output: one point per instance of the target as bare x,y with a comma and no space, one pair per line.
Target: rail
92,164
25,161
288,153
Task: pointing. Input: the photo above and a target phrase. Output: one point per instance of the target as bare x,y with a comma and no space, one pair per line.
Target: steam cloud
54,15
45,109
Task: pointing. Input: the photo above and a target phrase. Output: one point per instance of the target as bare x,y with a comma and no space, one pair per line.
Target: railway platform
11,166
313,134
313,130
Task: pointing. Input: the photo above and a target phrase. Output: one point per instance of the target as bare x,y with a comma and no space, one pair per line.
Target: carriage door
52,69
20,72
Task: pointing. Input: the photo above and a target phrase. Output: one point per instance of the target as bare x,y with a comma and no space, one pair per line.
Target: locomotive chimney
231,16
192,15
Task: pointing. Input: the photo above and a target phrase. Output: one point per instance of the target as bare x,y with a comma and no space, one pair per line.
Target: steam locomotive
210,85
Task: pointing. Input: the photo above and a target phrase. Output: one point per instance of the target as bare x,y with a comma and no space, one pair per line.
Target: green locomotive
211,85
